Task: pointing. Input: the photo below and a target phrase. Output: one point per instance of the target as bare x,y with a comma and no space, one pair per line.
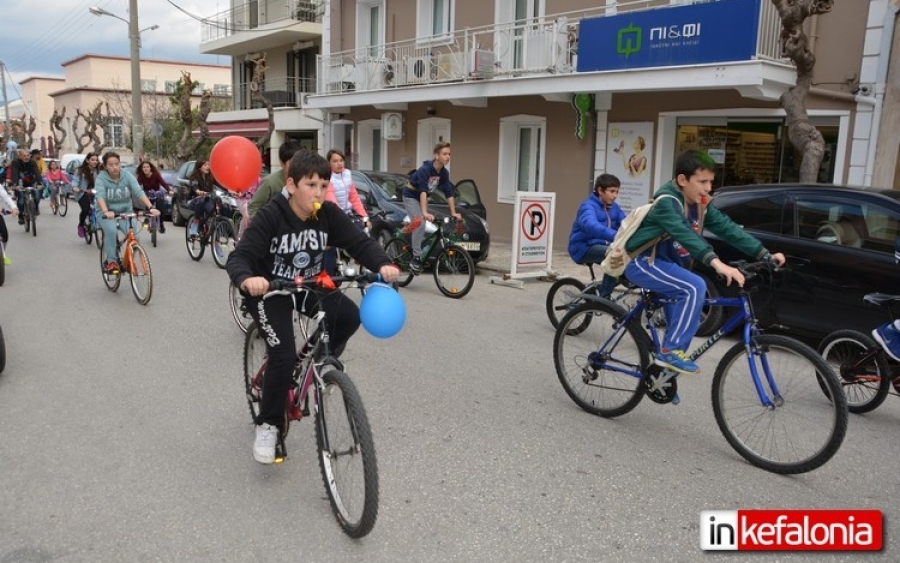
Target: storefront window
754,152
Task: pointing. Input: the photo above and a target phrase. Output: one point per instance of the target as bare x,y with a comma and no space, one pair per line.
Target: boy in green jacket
682,218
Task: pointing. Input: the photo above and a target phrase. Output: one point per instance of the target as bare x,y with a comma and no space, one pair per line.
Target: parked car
70,163
839,245
382,192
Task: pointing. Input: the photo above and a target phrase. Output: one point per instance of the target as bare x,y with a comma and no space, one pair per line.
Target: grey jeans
414,209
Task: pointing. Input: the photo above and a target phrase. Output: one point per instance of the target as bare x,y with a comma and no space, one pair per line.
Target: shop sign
681,35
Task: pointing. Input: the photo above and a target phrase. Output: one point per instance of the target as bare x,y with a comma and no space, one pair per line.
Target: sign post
532,242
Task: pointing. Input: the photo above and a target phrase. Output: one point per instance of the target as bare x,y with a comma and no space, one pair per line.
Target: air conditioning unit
481,63
418,70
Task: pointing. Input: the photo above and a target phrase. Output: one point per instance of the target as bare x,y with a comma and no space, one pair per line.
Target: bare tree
187,146
56,125
257,83
29,130
795,45
93,120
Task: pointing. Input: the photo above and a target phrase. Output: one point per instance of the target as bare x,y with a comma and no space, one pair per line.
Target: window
221,90
148,86
370,29
522,150
198,88
170,86
757,213
114,132
848,223
435,18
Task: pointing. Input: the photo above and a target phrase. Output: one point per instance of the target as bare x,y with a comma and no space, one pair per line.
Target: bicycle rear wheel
454,271
223,241
400,253
2,351
141,275
98,236
563,296
347,454
242,316
194,244
254,368
802,428
31,207
599,361
2,265
861,367
63,205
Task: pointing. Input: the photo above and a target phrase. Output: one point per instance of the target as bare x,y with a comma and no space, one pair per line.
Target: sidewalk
499,262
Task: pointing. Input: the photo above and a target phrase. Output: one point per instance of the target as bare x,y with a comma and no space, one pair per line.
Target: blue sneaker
676,360
888,337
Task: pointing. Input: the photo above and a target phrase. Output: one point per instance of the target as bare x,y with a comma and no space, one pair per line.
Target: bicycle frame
743,316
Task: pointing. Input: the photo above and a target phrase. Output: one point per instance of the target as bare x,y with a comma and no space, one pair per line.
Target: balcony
281,92
258,25
484,57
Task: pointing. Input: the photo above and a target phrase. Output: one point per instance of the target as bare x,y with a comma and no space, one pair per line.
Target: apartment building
90,78
543,95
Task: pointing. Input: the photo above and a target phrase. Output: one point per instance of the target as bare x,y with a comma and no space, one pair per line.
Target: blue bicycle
765,391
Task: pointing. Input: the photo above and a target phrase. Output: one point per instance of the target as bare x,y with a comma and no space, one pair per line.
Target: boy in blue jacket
595,226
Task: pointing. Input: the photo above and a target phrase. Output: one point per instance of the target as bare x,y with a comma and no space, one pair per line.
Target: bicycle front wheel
63,205
347,454
223,242
454,271
195,246
254,368
563,296
400,253
862,369
599,361
239,308
2,266
801,427
141,275
112,280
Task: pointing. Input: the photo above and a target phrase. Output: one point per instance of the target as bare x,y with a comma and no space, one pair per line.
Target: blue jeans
414,210
687,289
595,255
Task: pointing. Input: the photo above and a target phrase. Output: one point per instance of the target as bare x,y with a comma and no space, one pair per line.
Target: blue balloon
382,311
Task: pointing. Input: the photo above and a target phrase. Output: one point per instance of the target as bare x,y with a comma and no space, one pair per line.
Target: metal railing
256,14
282,92
545,45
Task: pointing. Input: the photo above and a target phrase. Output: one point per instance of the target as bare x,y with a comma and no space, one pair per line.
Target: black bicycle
453,266
321,387
217,231
29,209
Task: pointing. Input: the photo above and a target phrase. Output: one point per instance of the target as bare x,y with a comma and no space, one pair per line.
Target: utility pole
7,131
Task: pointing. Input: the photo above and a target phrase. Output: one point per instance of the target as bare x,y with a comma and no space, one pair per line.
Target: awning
245,128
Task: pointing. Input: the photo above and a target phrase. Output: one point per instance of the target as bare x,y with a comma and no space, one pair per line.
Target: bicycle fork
753,351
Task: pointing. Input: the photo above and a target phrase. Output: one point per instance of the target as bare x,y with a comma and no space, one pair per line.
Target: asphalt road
126,437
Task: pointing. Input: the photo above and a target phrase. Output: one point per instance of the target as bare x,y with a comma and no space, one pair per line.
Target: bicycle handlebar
285,287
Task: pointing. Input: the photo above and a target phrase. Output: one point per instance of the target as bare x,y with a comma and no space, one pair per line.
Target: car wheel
711,318
177,219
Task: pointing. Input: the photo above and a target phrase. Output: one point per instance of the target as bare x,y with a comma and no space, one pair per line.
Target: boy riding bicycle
287,238
661,268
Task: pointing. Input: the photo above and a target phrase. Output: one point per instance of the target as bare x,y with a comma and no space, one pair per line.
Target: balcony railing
282,92
256,14
538,46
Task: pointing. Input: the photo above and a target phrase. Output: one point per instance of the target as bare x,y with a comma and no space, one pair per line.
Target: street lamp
134,33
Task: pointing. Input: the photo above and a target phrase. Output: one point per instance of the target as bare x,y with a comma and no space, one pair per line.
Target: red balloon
236,163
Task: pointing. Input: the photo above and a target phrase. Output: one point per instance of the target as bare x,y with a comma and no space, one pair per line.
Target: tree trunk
187,146
795,45
257,84
56,125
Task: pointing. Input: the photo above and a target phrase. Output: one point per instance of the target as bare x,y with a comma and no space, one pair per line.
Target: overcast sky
37,36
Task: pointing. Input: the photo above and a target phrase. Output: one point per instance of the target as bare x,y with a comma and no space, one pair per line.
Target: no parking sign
533,232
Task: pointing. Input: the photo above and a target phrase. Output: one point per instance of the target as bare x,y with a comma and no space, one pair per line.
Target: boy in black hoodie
287,238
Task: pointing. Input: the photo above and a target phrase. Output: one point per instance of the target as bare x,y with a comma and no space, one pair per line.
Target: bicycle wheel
194,245
254,368
861,367
454,271
98,236
54,204
223,242
2,351
154,229
31,207
601,365
112,281
2,266
400,253
141,274
88,233
803,428
562,297
63,205
346,454
239,308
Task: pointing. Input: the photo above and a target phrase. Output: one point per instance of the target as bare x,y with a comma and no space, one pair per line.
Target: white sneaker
264,446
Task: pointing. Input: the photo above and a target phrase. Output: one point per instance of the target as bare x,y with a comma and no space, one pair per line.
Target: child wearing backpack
679,219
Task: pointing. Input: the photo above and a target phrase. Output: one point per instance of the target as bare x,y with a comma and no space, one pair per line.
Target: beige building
91,78
543,95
